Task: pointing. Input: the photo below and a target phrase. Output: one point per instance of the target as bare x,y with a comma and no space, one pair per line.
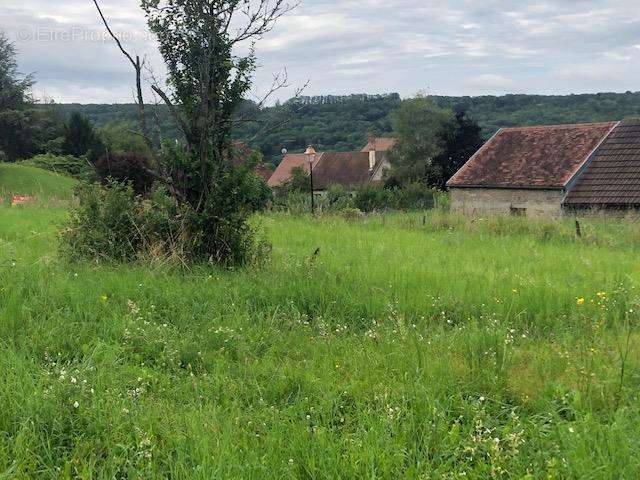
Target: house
546,170
351,170
382,144
264,171
283,172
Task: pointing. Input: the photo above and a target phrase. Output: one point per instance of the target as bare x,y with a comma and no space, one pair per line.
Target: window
518,212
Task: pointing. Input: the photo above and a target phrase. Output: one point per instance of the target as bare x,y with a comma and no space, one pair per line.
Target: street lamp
311,158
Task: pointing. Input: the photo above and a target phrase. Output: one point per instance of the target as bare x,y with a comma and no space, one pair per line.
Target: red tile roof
380,144
264,171
283,171
349,169
532,157
612,178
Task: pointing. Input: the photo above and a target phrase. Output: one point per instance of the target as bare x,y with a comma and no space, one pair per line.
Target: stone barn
545,170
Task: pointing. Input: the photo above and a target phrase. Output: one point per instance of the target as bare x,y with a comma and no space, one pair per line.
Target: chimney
372,152
372,159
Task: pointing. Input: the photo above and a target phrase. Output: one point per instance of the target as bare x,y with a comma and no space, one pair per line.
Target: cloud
491,82
458,47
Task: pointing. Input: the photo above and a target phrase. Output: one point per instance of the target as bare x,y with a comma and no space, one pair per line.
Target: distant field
495,349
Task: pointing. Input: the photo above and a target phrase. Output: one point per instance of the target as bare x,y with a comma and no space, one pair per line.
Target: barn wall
536,203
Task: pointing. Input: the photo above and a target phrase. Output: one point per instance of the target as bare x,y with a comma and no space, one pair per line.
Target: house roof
613,176
532,157
381,144
349,169
264,171
283,171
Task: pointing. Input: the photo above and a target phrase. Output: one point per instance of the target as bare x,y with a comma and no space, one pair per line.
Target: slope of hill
344,122
16,179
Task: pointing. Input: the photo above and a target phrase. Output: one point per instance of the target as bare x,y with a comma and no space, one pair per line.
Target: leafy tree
200,41
25,129
121,137
462,138
13,89
81,138
126,168
418,128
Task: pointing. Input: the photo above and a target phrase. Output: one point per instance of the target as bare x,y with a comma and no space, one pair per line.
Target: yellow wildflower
104,297
580,301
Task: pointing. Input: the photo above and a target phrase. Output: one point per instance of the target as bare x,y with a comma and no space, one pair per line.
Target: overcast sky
448,47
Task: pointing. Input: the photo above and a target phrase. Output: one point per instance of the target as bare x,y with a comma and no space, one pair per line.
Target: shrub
414,196
338,198
127,167
371,198
112,222
76,167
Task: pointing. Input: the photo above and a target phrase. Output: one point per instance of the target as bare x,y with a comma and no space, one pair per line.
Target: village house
351,170
548,170
283,172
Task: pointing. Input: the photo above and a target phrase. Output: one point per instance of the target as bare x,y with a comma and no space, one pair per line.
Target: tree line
343,125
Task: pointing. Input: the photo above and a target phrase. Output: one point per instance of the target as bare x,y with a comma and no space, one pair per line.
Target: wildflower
104,297
76,404
601,294
580,301
73,380
515,290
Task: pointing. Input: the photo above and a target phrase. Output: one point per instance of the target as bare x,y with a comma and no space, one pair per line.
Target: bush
115,224
372,198
127,167
79,168
414,196
338,198
112,222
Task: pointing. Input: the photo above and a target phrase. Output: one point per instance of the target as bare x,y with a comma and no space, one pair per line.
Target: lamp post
311,158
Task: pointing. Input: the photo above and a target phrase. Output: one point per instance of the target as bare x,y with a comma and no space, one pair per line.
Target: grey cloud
455,47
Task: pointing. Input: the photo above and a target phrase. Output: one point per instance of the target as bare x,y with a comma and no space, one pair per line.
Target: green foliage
413,196
419,126
493,113
121,138
25,130
13,89
450,349
461,138
372,197
112,223
126,167
343,125
79,168
81,139
298,182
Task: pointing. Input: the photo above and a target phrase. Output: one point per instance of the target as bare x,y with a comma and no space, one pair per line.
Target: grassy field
47,186
499,348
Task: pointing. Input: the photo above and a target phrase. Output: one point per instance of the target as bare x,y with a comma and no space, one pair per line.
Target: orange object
23,200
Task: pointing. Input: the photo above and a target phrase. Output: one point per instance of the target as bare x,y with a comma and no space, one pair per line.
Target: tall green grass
397,346
17,179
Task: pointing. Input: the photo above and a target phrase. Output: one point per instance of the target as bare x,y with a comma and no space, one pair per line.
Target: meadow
407,345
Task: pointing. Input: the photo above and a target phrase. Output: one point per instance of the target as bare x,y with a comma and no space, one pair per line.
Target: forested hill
342,123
